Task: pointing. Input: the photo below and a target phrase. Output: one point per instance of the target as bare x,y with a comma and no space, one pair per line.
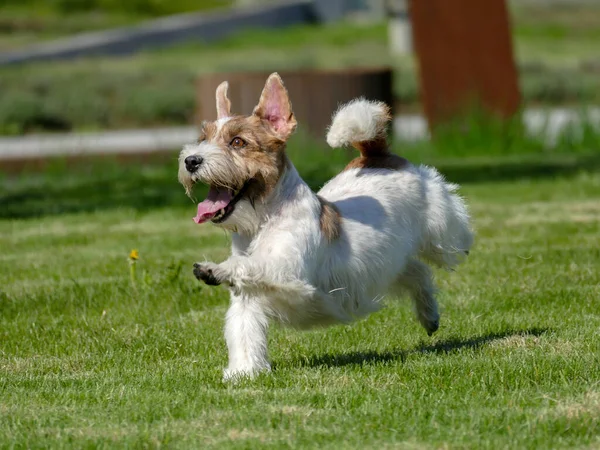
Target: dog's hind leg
417,280
246,334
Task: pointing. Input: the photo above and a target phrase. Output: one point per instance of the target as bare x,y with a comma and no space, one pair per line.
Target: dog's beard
245,219
217,169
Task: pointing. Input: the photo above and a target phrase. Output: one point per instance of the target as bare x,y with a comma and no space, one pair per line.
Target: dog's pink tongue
217,199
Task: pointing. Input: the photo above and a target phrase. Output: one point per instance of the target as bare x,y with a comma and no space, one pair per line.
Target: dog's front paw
209,273
235,375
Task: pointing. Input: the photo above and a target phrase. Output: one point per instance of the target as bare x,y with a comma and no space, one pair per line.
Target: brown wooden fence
315,95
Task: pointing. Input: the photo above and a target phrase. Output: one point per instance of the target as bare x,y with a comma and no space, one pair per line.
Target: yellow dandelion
134,255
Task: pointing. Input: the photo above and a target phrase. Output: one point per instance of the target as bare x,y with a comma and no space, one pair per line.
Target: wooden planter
315,95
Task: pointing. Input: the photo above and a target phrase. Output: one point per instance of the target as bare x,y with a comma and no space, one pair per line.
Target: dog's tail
362,124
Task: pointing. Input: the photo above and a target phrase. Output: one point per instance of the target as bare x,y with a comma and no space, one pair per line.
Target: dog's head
240,158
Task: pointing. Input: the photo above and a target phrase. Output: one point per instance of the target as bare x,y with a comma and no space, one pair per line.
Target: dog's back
433,217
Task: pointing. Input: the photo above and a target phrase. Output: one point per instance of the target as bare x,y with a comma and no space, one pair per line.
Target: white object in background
399,27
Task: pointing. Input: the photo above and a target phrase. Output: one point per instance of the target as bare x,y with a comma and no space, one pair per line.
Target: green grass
90,359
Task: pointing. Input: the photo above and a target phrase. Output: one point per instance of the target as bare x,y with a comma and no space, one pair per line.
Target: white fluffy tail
362,124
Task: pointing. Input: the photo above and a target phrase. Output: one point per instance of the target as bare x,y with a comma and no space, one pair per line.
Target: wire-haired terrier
307,259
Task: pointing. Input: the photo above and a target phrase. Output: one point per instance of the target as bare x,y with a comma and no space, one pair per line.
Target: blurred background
115,81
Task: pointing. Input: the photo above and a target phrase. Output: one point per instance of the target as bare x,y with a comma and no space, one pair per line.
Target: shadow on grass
446,346
104,184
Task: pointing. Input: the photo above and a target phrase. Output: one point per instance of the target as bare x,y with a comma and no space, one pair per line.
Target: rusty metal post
465,57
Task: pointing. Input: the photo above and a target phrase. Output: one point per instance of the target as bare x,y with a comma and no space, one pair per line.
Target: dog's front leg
246,322
236,272
246,336
213,274
251,277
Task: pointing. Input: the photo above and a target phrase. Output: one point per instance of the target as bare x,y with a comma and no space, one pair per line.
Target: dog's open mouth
218,205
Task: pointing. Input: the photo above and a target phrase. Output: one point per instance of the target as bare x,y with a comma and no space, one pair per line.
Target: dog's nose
192,163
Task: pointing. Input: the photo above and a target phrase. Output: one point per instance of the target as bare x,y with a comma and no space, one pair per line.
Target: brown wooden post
315,95
465,56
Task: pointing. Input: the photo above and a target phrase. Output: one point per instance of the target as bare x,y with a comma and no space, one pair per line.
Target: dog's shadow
445,346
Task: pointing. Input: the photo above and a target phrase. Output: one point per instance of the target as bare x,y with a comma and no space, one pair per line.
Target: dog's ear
223,103
275,107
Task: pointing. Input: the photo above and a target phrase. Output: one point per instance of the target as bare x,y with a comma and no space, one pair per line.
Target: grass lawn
89,359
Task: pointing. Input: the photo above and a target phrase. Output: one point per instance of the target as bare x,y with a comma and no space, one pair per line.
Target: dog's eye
237,142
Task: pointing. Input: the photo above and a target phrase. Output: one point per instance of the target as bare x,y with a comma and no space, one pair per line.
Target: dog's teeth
219,214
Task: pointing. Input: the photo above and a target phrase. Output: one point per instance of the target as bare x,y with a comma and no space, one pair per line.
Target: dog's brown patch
384,161
376,147
263,154
208,131
375,154
259,163
330,220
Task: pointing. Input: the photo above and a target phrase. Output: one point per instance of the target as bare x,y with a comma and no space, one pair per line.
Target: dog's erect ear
275,107
223,103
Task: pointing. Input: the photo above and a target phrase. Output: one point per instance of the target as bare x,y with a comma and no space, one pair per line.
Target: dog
309,259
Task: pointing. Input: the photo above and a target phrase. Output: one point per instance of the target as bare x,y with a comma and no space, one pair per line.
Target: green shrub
92,100
22,112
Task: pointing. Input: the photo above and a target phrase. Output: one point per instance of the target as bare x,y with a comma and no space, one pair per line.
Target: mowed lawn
90,359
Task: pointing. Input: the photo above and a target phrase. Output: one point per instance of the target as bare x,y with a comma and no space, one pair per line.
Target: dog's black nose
192,163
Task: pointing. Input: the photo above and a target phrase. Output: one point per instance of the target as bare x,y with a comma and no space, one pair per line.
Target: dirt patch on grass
529,342
589,404
576,409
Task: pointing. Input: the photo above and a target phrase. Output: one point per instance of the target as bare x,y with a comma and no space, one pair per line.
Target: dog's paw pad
205,274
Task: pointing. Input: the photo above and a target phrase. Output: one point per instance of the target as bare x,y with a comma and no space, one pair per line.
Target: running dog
311,259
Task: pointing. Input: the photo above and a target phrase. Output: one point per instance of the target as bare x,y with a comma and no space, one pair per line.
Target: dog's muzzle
192,163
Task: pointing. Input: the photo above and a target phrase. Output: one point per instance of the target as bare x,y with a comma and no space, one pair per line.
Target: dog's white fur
282,266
